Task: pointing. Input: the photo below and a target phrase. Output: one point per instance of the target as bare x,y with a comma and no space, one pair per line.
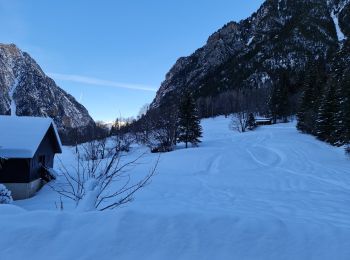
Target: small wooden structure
27,149
263,121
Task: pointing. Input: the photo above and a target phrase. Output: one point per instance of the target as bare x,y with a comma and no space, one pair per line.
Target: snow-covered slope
269,194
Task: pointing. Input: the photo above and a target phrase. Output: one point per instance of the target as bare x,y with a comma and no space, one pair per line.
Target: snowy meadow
272,193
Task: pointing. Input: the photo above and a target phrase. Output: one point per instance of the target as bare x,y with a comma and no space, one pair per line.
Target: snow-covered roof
263,119
21,136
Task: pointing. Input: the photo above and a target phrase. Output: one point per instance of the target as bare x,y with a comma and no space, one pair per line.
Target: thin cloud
100,82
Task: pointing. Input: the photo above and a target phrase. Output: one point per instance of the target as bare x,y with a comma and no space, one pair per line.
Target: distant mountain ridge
25,90
283,35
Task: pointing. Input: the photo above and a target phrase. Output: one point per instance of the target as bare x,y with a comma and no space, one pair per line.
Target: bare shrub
101,179
239,122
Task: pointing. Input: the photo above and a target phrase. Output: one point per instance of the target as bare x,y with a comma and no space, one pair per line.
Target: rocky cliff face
26,91
281,35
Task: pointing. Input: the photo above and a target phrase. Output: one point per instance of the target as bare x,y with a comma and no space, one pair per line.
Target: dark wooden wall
15,171
46,148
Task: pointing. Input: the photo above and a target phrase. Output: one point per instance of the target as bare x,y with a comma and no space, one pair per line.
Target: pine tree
344,121
284,99
326,121
190,129
306,118
279,101
313,85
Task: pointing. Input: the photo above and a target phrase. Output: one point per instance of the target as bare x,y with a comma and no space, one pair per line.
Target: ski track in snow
268,194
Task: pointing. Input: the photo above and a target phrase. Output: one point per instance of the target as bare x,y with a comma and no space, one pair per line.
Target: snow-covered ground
269,194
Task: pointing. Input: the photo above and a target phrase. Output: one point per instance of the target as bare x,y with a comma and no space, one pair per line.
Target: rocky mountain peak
25,90
11,50
280,35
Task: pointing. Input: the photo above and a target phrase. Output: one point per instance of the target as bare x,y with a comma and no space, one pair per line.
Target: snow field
268,194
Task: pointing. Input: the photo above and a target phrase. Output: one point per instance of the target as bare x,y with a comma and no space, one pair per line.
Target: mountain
25,90
283,36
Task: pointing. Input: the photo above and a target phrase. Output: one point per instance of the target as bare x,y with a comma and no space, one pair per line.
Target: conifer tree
306,114
326,120
313,86
189,130
344,120
279,101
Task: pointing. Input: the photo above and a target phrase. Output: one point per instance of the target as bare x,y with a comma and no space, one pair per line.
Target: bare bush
158,128
101,179
239,122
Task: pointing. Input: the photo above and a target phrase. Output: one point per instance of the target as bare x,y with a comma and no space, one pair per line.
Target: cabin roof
20,136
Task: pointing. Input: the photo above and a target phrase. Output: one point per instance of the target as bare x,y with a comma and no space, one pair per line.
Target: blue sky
112,55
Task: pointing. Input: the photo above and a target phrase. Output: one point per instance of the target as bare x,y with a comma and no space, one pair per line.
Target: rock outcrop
25,90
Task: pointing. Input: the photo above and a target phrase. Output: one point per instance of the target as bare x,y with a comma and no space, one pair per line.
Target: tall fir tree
327,115
344,121
189,130
325,104
306,118
314,82
279,101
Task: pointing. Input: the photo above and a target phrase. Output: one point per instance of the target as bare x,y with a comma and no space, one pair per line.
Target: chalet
27,149
263,121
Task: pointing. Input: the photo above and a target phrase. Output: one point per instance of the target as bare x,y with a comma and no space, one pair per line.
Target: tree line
325,103
319,97
162,128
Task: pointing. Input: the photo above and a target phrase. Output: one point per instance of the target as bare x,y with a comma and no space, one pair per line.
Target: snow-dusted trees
5,195
312,87
343,116
325,104
189,130
326,119
101,178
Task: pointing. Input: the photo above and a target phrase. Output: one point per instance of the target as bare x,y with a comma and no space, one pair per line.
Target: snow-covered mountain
25,90
281,35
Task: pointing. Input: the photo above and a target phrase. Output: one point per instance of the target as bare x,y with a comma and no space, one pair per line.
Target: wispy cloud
100,82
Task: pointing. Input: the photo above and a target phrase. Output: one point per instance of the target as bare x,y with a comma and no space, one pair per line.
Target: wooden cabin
263,121
27,149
